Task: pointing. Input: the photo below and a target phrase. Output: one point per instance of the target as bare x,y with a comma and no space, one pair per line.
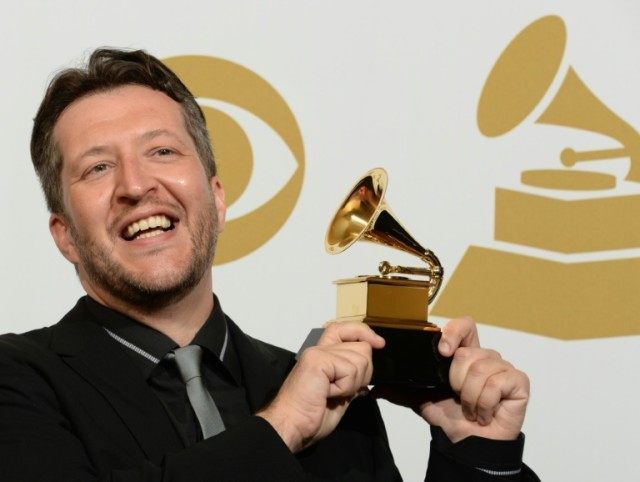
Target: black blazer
74,408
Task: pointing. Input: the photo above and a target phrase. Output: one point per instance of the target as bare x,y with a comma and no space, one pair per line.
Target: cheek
189,187
177,179
88,207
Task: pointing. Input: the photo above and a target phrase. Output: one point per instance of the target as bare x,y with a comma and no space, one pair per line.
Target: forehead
116,115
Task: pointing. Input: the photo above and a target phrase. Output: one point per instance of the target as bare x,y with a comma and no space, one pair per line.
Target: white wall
394,84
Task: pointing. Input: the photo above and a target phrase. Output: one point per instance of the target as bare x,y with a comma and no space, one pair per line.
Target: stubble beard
143,294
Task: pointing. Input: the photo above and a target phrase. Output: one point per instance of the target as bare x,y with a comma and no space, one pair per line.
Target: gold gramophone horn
365,215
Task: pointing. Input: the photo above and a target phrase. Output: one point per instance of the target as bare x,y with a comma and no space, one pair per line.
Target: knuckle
360,356
331,327
461,354
492,354
360,363
485,404
524,378
493,383
351,369
476,369
367,363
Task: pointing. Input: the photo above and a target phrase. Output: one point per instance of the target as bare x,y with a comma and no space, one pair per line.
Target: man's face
141,216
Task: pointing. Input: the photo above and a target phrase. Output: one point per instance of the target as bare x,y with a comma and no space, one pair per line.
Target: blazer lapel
264,366
89,351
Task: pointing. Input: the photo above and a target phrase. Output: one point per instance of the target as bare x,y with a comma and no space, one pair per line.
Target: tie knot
188,360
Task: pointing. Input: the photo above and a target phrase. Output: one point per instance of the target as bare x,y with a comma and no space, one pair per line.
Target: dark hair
107,69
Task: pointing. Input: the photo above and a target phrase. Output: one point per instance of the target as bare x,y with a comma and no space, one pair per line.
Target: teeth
151,222
150,234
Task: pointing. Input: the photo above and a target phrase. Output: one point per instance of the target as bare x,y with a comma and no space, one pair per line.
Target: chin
167,281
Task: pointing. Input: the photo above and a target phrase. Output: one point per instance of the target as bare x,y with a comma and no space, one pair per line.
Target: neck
180,321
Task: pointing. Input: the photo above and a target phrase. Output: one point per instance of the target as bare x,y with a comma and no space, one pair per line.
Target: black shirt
222,375
148,348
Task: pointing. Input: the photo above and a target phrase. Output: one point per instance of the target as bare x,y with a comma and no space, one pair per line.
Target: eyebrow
93,151
147,136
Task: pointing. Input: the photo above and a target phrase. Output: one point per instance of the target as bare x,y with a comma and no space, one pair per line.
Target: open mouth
148,227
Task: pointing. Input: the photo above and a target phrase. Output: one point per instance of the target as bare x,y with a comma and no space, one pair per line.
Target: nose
133,181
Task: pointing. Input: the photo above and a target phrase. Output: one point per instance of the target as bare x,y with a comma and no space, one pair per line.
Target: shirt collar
151,346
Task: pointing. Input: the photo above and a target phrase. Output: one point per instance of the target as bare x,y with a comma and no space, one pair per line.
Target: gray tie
188,360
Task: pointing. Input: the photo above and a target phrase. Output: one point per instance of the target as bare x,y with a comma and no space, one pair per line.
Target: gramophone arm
434,271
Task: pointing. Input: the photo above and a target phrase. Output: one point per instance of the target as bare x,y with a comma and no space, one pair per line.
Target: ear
61,233
218,195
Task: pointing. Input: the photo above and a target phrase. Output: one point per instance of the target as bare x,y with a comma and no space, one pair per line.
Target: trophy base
410,359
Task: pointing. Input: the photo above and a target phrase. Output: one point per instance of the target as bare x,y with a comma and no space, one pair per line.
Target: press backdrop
468,105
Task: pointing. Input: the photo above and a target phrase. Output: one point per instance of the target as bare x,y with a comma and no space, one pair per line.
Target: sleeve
476,459
37,442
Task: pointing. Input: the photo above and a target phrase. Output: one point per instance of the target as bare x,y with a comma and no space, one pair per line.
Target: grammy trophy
392,303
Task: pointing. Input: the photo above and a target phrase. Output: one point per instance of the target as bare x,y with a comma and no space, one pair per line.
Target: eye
95,170
164,151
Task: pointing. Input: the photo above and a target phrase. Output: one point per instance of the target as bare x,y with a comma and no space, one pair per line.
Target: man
146,378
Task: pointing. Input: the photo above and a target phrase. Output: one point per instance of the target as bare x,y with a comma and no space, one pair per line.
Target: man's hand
491,395
327,377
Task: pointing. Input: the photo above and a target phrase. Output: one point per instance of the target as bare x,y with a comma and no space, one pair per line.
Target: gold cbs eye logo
211,78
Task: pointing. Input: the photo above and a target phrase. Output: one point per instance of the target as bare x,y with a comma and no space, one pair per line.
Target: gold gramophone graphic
392,303
572,214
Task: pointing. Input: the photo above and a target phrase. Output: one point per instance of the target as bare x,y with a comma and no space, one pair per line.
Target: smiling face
141,217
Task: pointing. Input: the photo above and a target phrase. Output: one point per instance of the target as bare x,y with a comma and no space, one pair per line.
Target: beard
144,294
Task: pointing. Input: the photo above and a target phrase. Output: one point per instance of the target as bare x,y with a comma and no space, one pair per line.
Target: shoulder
35,342
38,343
27,360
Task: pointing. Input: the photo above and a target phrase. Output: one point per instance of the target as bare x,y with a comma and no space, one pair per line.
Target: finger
490,397
341,331
322,358
362,347
507,385
474,383
463,359
458,332
358,353
320,374
350,373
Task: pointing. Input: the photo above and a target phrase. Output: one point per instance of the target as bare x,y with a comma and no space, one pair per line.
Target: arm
492,395
320,387
40,439
476,459
476,432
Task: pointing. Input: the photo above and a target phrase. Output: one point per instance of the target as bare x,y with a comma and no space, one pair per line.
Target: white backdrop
370,83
